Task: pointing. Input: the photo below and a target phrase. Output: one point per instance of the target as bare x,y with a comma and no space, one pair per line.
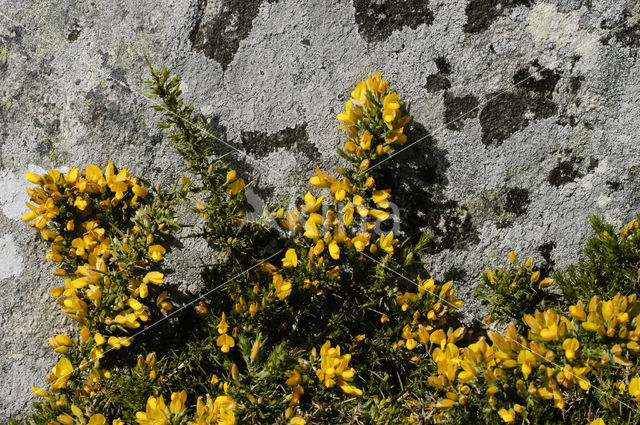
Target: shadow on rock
417,177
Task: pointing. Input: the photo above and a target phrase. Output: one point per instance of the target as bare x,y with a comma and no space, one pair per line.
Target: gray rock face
525,121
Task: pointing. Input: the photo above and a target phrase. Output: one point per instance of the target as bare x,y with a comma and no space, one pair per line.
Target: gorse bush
324,318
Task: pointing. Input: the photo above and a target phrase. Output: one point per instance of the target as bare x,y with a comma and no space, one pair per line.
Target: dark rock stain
542,80
628,36
563,173
218,35
377,19
260,143
443,66
436,83
439,81
507,112
517,201
482,13
575,83
457,109
570,167
74,33
502,206
614,185
502,115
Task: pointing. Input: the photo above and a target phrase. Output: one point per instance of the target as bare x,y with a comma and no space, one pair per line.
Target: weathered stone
525,122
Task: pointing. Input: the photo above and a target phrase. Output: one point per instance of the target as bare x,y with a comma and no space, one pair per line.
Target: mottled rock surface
526,121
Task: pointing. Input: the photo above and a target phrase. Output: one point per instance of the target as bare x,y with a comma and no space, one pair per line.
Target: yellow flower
507,415
379,214
321,179
359,94
33,178
291,259
334,250
39,391
93,173
254,349
282,286
62,372
225,342
347,217
117,183
156,412
365,140
178,402
235,184
528,361
545,283
351,115
157,251
65,419
334,369
154,277
634,387
97,419
445,404
381,197
311,230
360,242
311,204
118,343
597,421
61,343
297,420
386,243
390,108
218,412
570,346
223,326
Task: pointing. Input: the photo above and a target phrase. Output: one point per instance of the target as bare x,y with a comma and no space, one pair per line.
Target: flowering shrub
323,319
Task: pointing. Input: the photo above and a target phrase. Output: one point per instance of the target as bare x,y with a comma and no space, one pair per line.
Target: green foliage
516,291
611,266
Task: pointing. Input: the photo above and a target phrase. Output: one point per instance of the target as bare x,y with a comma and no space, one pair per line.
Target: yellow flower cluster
438,302
234,183
373,120
334,369
106,284
550,360
337,229
294,379
629,229
212,412
225,341
79,418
